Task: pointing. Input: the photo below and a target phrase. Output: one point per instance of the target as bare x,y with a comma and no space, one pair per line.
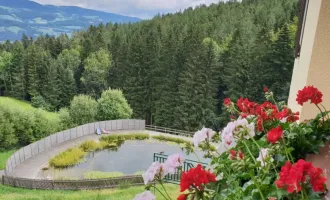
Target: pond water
131,157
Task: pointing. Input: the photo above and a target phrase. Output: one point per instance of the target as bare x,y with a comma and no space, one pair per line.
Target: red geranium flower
266,89
309,93
317,179
232,155
288,114
241,155
265,112
274,135
227,102
292,177
196,177
182,197
246,106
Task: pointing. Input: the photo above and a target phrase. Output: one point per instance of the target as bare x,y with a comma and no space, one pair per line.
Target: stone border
40,146
86,184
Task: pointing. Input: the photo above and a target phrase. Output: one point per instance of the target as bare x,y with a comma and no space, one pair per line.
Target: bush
170,139
39,102
65,119
116,137
67,158
113,105
21,127
101,175
91,145
83,109
8,137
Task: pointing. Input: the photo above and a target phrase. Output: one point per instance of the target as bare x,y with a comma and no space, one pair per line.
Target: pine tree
31,63
135,86
198,88
18,72
167,87
237,64
66,86
280,64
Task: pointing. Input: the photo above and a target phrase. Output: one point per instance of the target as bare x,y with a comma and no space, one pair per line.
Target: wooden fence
86,184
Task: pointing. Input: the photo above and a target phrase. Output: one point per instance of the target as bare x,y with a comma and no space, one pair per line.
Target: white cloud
138,8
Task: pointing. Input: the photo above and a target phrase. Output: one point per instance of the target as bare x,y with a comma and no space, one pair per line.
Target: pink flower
202,135
173,161
147,195
156,169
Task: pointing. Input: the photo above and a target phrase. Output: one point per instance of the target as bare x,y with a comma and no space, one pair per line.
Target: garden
265,157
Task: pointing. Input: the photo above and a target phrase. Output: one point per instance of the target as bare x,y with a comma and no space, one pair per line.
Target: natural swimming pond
131,157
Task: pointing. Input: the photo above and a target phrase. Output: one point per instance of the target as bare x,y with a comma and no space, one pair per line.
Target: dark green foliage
8,137
83,109
39,102
113,105
280,64
65,119
175,70
19,127
18,89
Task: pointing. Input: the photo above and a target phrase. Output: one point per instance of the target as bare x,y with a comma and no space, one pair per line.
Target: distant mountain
24,16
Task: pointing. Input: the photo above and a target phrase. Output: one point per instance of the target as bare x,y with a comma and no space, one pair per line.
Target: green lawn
22,105
3,158
10,193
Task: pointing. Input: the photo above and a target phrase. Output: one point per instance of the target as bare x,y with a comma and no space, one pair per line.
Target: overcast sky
137,8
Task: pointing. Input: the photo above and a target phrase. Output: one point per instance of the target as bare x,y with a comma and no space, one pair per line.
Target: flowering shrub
265,148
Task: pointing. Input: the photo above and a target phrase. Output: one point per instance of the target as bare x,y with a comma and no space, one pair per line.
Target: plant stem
199,160
165,190
255,161
261,194
302,194
325,110
288,155
247,148
160,192
321,112
255,142
275,102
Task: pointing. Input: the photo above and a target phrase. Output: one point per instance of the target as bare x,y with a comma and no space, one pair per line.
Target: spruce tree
18,72
280,62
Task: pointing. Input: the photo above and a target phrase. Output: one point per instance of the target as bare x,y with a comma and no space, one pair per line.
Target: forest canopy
174,70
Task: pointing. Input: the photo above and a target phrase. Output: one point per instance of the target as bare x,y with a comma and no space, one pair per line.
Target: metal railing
175,178
169,130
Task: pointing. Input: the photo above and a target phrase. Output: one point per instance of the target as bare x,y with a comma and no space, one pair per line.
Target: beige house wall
313,65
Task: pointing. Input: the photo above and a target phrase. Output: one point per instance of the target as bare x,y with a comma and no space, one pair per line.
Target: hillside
174,70
33,19
23,105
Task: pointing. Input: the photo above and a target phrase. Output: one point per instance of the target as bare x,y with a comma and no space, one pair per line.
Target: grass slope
3,158
22,105
10,193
